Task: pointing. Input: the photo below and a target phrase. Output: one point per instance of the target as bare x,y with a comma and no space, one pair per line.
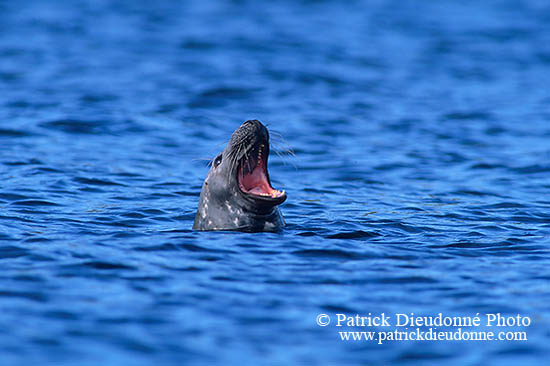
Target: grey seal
237,192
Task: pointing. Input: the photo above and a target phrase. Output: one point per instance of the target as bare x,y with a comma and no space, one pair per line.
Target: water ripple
418,184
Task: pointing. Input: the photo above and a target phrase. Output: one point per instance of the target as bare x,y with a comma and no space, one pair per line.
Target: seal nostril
254,123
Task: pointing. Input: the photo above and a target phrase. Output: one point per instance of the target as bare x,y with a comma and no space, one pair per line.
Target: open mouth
253,176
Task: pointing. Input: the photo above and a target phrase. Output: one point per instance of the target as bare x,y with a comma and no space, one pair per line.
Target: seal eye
217,161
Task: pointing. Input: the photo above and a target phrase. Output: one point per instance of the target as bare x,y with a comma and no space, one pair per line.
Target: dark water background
420,183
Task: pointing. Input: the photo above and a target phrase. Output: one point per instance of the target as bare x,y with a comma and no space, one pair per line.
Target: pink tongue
256,190
256,182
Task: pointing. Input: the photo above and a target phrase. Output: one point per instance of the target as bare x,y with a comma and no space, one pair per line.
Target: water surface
420,181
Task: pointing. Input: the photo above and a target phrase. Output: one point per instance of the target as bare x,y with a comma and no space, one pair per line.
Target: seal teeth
260,152
277,193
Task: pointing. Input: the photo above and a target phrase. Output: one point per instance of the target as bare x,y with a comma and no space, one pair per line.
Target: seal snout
254,128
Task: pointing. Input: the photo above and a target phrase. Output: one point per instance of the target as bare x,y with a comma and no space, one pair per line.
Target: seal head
237,192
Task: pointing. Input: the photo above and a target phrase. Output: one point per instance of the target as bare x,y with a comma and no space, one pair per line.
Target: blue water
419,183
